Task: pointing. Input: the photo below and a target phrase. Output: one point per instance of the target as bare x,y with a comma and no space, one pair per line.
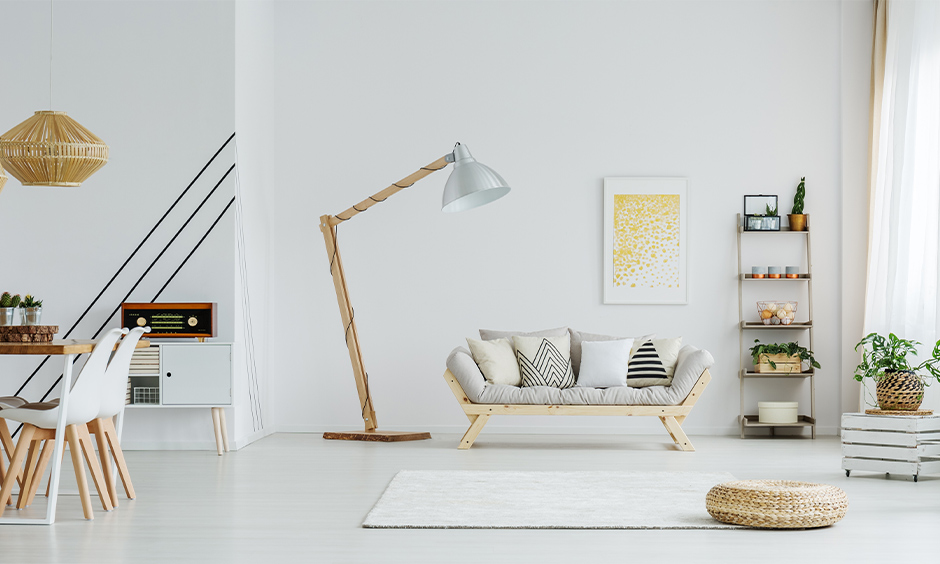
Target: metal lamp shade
52,149
471,184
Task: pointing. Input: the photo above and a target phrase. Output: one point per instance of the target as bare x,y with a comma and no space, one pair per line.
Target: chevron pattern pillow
545,361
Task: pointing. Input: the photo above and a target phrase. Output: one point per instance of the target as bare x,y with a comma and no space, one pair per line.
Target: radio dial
141,321
192,321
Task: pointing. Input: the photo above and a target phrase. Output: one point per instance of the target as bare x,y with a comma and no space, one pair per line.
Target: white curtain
904,246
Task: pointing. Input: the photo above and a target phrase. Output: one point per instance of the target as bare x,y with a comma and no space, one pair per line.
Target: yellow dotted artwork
646,240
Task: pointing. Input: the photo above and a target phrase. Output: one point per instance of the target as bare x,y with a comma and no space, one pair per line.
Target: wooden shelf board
749,374
782,230
765,279
759,325
802,421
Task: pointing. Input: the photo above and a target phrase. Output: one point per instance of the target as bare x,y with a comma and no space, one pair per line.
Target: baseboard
540,430
168,445
248,439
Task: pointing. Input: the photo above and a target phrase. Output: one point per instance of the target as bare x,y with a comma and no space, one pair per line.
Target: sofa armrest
468,374
691,363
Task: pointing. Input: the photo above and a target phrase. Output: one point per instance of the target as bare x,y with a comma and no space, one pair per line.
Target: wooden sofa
671,416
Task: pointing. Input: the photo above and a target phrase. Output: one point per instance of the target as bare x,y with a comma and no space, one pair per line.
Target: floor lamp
470,185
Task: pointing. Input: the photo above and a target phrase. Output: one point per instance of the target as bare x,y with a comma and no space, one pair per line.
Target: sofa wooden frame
671,416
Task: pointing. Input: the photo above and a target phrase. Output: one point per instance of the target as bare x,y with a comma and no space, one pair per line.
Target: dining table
68,349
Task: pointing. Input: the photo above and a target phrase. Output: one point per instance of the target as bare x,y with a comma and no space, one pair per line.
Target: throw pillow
604,363
489,334
578,337
496,360
545,361
653,362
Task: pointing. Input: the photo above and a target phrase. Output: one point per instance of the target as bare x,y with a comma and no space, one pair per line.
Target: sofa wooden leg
676,432
471,435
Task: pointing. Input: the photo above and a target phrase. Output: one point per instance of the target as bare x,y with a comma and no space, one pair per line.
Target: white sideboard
184,375
893,444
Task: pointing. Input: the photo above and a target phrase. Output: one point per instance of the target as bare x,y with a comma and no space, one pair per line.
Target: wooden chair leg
6,441
32,462
19,454
471,435
677,434
88,449
75,448
44,457
101,439
107,425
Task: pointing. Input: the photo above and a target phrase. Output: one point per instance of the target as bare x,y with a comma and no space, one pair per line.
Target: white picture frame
645,252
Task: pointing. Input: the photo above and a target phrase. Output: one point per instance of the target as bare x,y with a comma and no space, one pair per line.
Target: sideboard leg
224,428
217,427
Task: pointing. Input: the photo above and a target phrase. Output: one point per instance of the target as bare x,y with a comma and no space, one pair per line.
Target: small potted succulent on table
899,386
32,310
8,304
781,358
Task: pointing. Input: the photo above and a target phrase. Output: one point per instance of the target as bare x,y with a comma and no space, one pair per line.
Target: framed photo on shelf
646,228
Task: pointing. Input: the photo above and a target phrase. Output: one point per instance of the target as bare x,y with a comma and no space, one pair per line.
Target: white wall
155,80
740,98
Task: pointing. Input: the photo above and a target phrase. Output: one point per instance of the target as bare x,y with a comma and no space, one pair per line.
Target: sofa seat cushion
691,363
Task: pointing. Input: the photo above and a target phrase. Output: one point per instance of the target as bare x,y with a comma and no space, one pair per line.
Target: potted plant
785,358
796,217
32,310
8,305
898,384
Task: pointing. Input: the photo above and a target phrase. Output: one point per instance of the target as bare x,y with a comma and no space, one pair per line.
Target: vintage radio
171,320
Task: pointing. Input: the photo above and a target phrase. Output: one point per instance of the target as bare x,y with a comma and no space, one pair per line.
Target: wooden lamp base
377,436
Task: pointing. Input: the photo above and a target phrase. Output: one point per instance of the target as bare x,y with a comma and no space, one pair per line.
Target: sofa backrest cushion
490,335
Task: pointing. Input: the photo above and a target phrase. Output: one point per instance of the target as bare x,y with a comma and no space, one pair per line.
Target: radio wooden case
172,320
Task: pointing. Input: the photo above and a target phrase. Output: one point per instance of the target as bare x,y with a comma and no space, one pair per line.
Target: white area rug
546,500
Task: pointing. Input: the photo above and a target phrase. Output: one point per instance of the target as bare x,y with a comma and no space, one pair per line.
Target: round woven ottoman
776,504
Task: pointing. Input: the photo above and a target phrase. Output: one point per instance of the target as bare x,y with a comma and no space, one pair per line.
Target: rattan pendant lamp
50,148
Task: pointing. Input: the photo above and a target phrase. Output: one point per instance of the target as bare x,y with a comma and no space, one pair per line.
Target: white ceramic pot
779,412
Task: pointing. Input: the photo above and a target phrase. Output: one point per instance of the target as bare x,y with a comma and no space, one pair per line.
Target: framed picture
646,226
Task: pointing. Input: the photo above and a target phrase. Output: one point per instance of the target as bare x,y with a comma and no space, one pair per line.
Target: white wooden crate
898,444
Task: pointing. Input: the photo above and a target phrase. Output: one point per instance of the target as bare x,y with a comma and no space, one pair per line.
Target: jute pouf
776,504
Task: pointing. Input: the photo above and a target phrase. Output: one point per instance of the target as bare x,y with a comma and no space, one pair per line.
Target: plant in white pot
32,310
8,303
899,386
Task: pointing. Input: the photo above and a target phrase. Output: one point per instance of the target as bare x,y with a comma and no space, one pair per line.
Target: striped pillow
653,362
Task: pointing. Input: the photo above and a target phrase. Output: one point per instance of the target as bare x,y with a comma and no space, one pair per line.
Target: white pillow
496,360
604,363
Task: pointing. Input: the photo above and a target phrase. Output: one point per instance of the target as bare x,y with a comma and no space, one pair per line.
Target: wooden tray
898,412
28,333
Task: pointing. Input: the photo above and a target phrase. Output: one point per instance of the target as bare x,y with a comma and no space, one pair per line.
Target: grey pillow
577,337
490,335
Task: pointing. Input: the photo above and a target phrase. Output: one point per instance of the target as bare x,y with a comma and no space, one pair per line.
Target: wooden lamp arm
391,190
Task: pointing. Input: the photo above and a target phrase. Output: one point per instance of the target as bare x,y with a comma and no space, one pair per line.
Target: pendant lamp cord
51,5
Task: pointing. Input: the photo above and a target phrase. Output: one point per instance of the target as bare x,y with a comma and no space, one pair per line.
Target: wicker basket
776,504
3,178
900,391
52,149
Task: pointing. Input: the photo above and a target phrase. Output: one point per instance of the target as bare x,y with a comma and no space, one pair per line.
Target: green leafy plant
30,301
7,300
789,349
798,200
771,211
881,355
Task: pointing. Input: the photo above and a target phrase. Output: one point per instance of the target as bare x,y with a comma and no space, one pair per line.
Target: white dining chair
38,433
113,400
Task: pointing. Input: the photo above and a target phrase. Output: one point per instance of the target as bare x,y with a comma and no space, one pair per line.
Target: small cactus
800,196
6,300
29,301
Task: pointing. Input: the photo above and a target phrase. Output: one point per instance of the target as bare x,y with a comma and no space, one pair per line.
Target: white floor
299,498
